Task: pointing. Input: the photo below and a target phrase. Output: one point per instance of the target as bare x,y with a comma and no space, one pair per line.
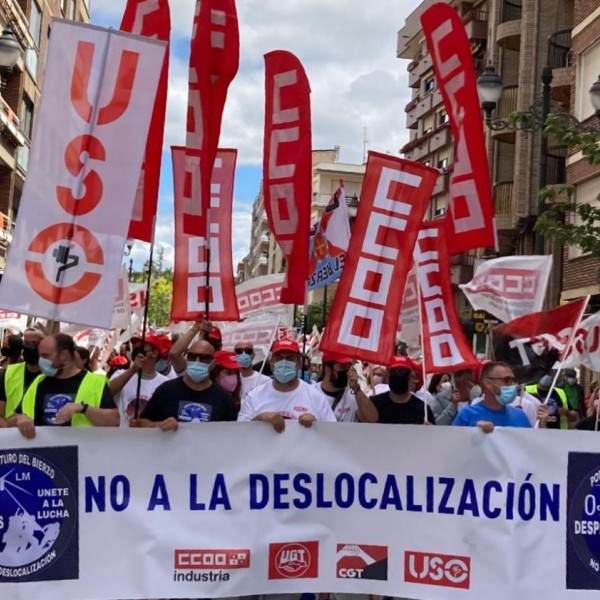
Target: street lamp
490,86
10,52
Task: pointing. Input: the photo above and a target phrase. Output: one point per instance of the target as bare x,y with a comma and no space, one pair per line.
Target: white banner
259,297
585,350
509,287
122,308
259,332
357,513
65,259
12,320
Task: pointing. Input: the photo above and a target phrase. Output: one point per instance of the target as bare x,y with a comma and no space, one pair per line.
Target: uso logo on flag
39,515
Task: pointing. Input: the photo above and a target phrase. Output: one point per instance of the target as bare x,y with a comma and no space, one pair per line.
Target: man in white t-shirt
340,388
251,379
286,397
124,384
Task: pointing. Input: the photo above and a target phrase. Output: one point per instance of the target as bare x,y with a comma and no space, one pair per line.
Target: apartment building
20,93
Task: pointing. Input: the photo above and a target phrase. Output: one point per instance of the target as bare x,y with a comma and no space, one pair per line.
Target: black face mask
399,383
31,355
340,380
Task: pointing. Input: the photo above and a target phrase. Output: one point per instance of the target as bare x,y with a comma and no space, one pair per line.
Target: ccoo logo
294,561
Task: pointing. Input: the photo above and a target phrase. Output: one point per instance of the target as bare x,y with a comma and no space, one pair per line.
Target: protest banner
287,166
193,291
150,18
510,286
260,332
122,308
464,520
12,321
365,312
409,326
585,349
65,259
258,297
469,220
214,61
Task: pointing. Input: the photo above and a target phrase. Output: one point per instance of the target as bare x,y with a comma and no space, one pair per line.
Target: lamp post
10,52
490,86
130,271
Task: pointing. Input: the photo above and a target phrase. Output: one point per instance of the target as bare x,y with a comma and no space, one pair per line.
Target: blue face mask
162,364
285,371
507,394
244,360
47,368
197,371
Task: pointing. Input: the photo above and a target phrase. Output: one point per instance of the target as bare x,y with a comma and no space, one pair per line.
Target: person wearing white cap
16,379
286,397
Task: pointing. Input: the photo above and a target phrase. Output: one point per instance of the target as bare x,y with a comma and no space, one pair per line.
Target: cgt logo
212,559
356,561
294,561
437,569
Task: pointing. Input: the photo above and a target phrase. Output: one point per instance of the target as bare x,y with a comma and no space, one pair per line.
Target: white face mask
446,386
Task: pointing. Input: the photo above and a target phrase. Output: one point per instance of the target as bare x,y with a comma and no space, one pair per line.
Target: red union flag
364,315
287,166
510,286
445,347
214,61
189,280
65,260
470,216
150,18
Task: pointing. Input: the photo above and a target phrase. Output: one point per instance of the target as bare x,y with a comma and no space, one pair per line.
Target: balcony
414,81
508,33
23,157
504,205
560,60
508,104
423,66
441,185
6,227
441,139
10,124
475,21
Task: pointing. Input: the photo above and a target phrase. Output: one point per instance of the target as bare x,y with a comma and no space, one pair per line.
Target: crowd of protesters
47,380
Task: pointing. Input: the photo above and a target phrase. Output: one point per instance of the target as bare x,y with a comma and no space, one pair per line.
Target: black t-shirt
588,424
407,413
28,380
175,399
52,394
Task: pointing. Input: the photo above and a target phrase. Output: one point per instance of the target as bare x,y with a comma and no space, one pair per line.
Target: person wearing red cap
124,384
226,373
193,398
400,406
286,397
244,354
340,388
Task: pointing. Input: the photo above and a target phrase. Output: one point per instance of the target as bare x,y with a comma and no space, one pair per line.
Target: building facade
20,94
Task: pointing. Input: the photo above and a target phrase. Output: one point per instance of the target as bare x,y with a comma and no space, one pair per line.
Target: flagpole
421,331
304,329
262,368
145,321
207,297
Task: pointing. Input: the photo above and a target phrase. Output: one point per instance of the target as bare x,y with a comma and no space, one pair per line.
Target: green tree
315,315
159,308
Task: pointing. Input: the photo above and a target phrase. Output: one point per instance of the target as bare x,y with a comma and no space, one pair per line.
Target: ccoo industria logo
39,515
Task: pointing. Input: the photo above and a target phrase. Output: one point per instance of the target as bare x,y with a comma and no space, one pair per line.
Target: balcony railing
503,197
6,227
508,101
557,165
511,10
475,14
559,49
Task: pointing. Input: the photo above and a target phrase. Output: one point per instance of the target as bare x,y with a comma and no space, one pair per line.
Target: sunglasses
195,357
244,351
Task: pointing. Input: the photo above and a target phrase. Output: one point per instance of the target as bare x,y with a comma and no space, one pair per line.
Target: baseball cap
403,362
227,360
570,373
215,334
545,382
285,345
338,358
118,361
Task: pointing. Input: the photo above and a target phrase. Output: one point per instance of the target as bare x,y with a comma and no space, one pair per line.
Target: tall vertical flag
65,260
150,18
445,347
364,316
329,241
214,61
469,220
287,166
189,281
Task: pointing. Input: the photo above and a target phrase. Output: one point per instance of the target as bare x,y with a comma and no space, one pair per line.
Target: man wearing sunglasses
499,388
193,398
244,354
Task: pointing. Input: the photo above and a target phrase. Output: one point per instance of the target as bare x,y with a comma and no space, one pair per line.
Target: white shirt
290,405
380,388
125,399
424,395
252,382
346,408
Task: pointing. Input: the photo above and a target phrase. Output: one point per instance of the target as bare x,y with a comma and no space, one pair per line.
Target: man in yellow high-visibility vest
558,406
16,378
64,394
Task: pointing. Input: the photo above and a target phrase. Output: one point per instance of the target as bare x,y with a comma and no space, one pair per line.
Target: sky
348,49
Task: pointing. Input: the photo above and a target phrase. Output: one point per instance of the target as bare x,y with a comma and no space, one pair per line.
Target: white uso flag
509,287
65,261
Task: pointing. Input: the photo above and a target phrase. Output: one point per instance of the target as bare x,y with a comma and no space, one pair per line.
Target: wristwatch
84,409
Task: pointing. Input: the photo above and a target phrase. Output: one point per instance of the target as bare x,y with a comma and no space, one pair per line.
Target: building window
27,116
35,22
429,85
442,117
442,163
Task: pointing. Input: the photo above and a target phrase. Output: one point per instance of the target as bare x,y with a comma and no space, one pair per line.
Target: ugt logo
38,515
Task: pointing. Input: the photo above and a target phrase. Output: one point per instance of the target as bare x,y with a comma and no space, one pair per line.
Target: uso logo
38,515
437,569
294,561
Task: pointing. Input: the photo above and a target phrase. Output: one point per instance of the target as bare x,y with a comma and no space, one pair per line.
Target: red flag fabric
189,280
469,219
365,311
445,346
557,322
214,61
150,18
287,166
